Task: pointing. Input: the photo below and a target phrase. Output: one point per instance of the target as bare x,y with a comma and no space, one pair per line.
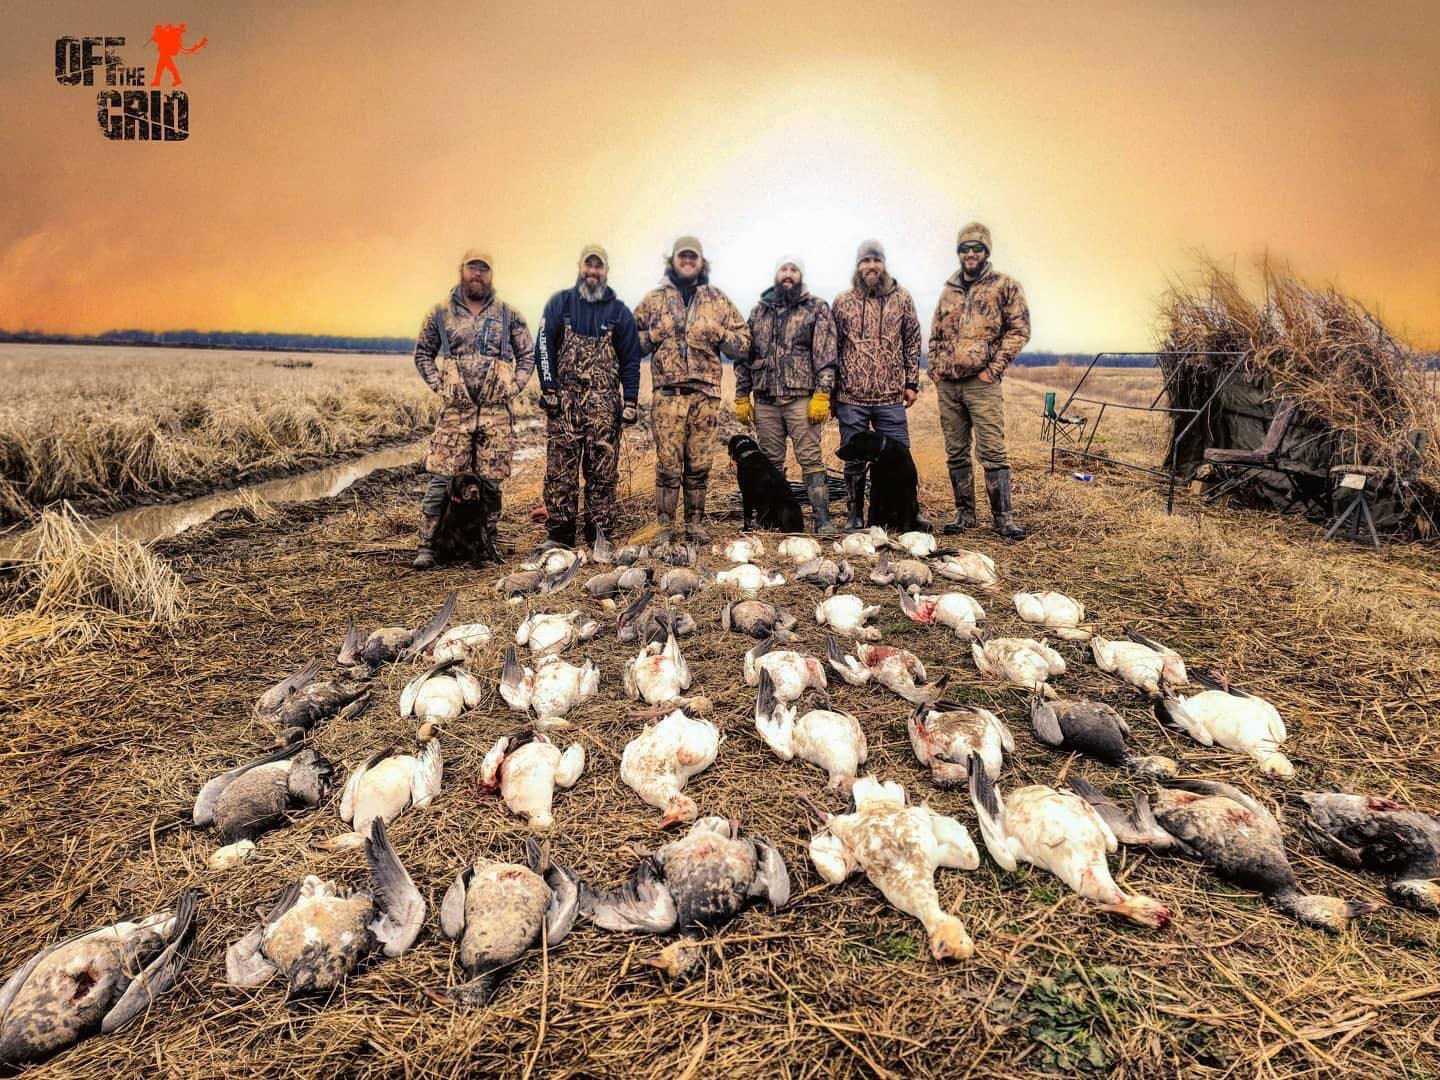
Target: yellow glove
819,407
744,411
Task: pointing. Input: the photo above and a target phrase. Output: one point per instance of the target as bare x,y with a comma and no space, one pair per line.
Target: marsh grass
104,749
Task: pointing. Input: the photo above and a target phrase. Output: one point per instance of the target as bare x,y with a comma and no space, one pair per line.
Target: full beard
479,293
591,293
882,283
788,294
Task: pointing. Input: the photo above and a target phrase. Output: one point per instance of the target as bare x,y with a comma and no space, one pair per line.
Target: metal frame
1168,474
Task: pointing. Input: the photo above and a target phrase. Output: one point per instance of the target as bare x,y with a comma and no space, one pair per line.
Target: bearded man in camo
474,350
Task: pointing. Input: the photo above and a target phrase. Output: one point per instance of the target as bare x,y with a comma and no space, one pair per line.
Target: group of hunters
798,360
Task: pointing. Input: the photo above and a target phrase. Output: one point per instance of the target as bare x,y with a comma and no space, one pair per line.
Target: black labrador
765,496
894,503
463,534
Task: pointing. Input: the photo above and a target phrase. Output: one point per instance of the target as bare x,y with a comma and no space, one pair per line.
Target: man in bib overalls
475,351
587,355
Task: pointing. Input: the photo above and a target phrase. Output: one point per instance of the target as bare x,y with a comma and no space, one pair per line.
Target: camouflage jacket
685,343
982,328
482,368
879,346
792,349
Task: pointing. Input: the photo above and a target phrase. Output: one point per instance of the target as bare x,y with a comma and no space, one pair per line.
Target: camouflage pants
777,420
966,405
685,426
583,440
472,440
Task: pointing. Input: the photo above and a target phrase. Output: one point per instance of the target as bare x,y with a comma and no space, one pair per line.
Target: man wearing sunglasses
981,323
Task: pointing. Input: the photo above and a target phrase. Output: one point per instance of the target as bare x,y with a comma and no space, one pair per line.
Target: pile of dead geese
316,931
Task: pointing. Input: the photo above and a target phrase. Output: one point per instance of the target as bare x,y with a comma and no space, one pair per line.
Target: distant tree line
221,339
235,339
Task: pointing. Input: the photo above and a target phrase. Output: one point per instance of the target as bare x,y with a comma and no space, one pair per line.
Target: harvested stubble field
105,747
106,426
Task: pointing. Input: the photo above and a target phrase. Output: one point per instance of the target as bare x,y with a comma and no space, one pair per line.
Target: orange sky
342,156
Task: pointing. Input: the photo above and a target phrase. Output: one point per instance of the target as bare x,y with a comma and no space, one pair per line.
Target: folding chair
1069,429
1236,468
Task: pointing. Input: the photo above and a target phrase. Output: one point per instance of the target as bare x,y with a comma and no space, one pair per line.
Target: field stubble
105,748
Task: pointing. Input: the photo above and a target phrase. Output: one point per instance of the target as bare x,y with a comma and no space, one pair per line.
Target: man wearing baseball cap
587,355
791,369
474,350
878,336
981,323
684,325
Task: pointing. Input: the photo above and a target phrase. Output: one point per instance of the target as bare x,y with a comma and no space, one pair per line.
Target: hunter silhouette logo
125,109
168,40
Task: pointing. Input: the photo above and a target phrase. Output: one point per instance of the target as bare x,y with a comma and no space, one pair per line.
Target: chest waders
583,437
465,435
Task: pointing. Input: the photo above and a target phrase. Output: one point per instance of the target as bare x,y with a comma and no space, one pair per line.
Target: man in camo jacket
791,370
474,350
981,323
879,364
685,324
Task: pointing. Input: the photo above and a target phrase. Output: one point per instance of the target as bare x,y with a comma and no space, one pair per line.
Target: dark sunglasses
967,248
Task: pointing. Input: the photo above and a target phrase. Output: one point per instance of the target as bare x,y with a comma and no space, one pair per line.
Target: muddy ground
104,750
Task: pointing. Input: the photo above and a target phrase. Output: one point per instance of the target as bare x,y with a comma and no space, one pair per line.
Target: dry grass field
105,745
111,424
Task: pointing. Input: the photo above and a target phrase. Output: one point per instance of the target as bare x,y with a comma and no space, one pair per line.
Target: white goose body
918,544
1240,722
1055,611
385,785
957,610
1059,832
896,669
526,769
658,762
461,642
548,632
899,847
847,615
657,673
742,549
1140,664
793,672
859,543
832,740
749,578
799,549
944,738
973,567
1021,662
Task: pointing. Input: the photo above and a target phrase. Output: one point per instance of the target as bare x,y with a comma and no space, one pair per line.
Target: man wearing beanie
474,350
878,369
587,355
791,369
685,324
981,323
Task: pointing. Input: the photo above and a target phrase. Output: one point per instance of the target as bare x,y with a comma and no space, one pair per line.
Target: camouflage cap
476,255
974,233
869,249
687,243
597,251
